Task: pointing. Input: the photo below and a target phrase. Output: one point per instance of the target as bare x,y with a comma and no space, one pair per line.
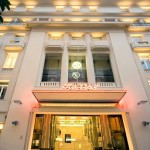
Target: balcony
140,46
16,45
77,44
139,26
98,45
54,45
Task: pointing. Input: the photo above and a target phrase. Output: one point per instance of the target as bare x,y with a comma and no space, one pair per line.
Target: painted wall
132,82
13,137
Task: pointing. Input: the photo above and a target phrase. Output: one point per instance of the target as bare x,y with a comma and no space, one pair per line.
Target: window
1,126
52,68
77,68
145,60
137,39
148,82
3,88
10,60
102,68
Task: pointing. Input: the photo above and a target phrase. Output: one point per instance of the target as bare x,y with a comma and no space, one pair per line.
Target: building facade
75,75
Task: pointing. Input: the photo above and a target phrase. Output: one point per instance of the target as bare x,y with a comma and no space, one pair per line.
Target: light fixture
30,7
76,8
76,75
142,102
76,65
18,101
59,139
59,8
93,8
146,123
15,122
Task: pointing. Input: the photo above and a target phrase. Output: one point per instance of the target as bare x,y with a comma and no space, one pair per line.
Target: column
89,61
64,65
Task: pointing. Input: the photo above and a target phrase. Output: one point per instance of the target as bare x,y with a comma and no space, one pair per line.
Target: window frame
108,54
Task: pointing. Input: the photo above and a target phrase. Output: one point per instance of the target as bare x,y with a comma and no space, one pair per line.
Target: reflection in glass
101,132
102,68
52,68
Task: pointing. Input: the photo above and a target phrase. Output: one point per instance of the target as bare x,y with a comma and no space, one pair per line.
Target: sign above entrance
74,122
79,86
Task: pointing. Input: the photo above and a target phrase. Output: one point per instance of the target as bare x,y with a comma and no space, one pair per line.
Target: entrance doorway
65,132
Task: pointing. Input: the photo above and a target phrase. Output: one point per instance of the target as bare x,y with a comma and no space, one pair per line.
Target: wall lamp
146,123
142,102
15,123
18,101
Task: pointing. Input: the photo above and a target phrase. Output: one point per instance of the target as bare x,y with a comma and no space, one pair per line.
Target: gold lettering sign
74,122
79,86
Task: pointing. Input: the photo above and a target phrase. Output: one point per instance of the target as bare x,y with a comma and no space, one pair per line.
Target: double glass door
63,132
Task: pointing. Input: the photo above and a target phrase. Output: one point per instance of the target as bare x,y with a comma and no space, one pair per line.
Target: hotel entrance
66,132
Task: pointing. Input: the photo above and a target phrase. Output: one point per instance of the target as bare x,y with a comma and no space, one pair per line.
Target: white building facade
75,76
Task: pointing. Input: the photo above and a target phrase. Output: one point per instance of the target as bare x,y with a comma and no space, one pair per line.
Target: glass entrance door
61,132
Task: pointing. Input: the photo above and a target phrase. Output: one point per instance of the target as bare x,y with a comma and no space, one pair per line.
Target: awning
64,96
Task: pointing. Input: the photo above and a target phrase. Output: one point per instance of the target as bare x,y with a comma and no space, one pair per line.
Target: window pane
145,60
3,93
10,60
102,68
13,62
3,88
52,68
77,69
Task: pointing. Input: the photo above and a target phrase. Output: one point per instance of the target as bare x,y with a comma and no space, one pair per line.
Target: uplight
30,7
93,8
59,8
75,8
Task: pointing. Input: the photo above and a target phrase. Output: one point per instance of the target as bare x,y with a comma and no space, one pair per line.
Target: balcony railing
77,44
50,84
104,75
55,44
7,70
140,24
106,84
97,45
140,45
17,44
